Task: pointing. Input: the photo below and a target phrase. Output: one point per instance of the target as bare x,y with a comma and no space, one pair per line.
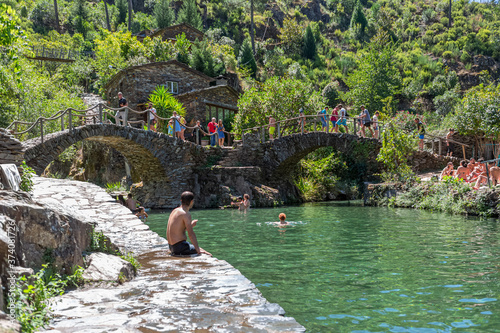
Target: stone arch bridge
168,166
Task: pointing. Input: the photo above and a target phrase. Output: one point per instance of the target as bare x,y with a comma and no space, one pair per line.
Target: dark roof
197,91
174,62
160,32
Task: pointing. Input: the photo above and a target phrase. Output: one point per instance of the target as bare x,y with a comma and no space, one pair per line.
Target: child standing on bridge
220,133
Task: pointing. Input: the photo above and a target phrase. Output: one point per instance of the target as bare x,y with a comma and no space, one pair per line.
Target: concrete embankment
168,294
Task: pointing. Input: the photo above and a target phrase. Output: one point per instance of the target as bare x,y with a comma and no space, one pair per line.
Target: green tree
309,50
164,14
291,36
80,17
182,46
376,77
281,97
478,113
121,15
397,145
246,58
358,21
203,60
165,104
189,14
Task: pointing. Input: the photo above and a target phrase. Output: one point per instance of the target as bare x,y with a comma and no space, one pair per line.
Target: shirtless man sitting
495,175
462,172
447,171
178,223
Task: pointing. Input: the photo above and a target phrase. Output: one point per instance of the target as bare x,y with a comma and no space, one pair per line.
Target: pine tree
246,58
121,17
189,14
358,21
309,50
80,17
164,15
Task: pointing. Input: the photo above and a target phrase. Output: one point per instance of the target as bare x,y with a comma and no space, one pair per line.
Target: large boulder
107,267
43,234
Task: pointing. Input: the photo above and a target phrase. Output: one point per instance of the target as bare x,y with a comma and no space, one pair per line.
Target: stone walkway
200,294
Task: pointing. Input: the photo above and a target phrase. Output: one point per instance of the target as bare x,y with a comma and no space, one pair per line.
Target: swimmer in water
282,218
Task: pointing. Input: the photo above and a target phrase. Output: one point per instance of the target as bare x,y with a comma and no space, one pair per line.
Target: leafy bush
26,177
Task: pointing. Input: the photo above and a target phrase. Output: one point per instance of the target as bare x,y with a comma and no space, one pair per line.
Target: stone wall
11,149
426,161
137,83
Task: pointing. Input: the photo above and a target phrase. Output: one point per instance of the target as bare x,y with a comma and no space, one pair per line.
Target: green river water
346,268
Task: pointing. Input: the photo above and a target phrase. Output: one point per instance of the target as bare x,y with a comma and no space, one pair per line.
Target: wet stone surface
169,294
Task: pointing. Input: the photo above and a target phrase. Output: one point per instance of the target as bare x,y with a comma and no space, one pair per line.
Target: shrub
444,21
447,55
26,178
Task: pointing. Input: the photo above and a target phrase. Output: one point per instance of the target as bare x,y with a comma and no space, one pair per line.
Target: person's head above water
246,196
187,199
282,217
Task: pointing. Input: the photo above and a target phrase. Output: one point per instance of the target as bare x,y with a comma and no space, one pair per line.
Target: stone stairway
230,157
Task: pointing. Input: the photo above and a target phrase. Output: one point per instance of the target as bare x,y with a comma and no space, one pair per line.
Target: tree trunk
205,13
251,27
107,15
129,15
56,11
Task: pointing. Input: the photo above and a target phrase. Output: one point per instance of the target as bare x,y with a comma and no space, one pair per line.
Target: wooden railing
302,124
99,114
56,54
440,141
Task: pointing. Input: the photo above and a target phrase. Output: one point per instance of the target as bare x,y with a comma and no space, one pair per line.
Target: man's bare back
178,223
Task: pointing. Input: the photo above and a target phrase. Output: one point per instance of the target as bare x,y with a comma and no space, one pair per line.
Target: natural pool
347,268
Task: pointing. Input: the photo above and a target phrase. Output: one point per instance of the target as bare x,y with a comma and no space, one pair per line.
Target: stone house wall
196,102
137,83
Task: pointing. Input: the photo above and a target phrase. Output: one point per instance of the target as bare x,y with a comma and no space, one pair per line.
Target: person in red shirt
212,128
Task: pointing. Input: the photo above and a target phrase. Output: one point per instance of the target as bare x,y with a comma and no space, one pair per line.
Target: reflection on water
346,268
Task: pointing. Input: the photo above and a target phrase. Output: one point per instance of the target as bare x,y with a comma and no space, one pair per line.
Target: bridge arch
163,163
281,155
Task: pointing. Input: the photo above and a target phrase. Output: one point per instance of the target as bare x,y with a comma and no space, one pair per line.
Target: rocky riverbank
449,196
182,294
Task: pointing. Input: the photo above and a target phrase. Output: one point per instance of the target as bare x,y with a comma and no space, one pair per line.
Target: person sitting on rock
121,200
462,171
141,213
179,222
447,171
131,203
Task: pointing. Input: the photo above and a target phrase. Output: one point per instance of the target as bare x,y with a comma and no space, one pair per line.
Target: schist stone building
203,97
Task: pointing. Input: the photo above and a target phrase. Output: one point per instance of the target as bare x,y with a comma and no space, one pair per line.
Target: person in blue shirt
324,119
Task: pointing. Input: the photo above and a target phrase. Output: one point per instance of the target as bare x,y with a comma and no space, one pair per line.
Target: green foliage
291,36
26,178
203,60
246,59
113,187
358,21
189,14
280,97
132,260
309,51
121,15
182,45
80,17
331,94
376,77
163,13
397,145
165,104
100,243
478,113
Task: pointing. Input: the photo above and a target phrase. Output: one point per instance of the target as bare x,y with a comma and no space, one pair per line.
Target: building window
217,112
172,87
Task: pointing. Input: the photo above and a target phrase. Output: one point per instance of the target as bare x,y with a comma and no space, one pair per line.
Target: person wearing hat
323,118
